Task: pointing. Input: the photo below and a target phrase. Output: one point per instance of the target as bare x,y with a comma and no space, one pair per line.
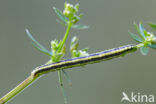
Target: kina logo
137,97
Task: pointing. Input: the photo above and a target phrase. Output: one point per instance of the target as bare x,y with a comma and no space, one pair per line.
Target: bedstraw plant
69,18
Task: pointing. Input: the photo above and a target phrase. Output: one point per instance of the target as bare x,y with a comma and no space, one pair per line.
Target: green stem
65,36
27,82
61,86
139,45
17,89
59,50
31,78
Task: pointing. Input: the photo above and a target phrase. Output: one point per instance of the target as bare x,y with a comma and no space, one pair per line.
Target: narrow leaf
61,22
42,50
60,15
144,50
80,26
141,28
37,45
145,33
67,77
152,46
81,15
138,30
135,37
153,25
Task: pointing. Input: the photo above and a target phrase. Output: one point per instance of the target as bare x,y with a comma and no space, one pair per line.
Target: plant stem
139,45
61,86
65,36
58,59
28,81
31,78
17,89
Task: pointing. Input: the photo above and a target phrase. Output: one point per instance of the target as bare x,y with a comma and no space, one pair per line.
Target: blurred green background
101,83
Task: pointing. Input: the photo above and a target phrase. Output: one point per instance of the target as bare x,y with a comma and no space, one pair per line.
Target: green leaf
141,28
37,45
81,15
154,40
138,30
85,49
135,37
42,50
153,25
77,7
152,46
61,22
60,15
145,33
67,77
83,53
63,50
74,47
80,26
74,53
144,50
74,40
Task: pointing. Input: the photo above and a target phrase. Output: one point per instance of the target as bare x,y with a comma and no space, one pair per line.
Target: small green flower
54,45
74,44
146,39
70,10
154,40
69,14
74,48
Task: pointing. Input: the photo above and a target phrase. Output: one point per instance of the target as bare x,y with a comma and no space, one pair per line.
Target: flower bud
54,45
154,40
70,12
